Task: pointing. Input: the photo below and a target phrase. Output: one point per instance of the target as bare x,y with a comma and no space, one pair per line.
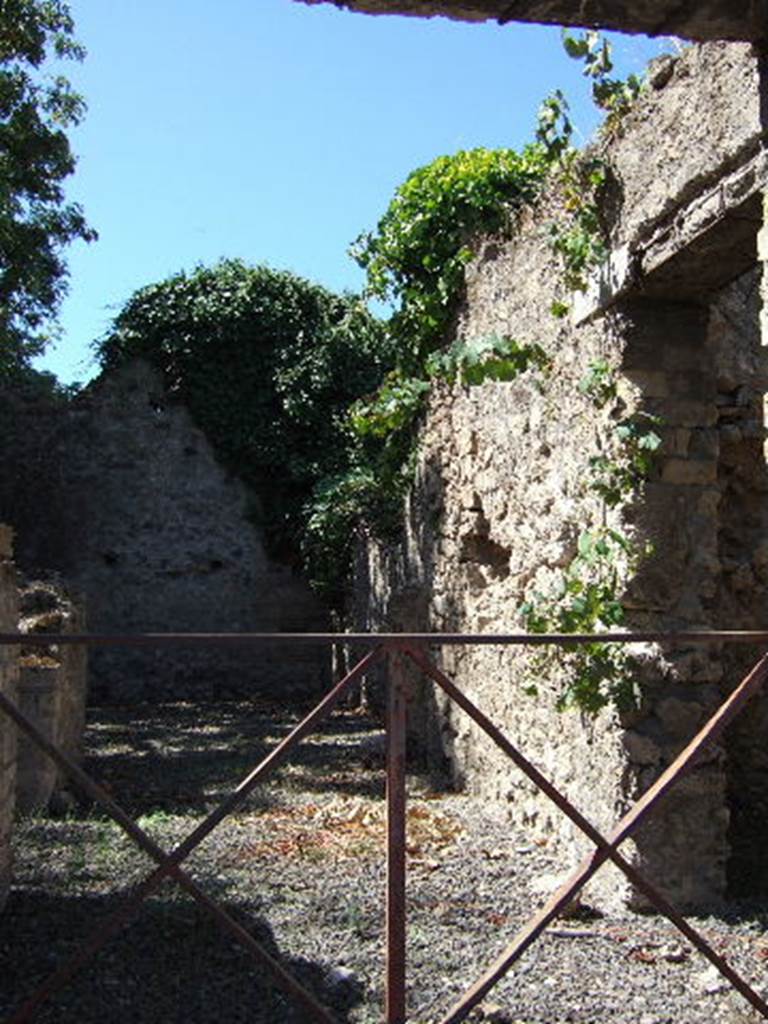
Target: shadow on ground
167,765
173,965
183,757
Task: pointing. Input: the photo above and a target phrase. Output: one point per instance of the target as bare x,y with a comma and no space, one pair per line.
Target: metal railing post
395,1012
402,650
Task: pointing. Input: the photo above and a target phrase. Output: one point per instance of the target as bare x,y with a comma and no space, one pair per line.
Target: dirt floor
300,867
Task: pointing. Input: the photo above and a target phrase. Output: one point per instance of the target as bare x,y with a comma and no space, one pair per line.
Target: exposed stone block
684,412
641,750
705,444
653,383
679,718
40,700
689,472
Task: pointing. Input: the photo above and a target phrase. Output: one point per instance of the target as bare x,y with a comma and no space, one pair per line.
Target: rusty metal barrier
407,648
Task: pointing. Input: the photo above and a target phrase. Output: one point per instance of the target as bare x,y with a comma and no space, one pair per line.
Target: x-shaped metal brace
169,864
606,848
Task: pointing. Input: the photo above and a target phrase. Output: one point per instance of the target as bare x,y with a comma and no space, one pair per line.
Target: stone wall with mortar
52,691
503,492
9,616
121,494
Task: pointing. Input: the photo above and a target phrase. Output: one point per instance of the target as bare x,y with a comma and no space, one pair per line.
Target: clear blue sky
277,132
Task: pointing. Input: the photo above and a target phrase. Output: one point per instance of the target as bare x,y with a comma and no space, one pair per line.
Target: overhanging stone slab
705,244
691,19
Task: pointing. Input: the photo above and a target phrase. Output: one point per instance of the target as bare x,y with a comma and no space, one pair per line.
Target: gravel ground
301,867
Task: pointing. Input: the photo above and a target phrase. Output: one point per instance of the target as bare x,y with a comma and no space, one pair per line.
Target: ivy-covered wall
548,501
121,494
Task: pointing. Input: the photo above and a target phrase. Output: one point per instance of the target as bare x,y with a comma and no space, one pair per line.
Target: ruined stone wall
503,490
742,549
121,494
52,691
8,683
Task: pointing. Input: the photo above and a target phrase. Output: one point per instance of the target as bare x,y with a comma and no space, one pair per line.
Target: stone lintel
699,20
694,251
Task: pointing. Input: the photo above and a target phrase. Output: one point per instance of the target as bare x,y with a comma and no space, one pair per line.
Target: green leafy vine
618,480
587,596
586,600
400,399
417,256
578,237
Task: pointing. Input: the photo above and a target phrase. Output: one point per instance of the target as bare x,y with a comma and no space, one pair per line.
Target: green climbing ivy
577,237
268,365
614,96
417,255
587,598
616,480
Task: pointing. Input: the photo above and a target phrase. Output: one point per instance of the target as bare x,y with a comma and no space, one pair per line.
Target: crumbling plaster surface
691,19
122,495
502,493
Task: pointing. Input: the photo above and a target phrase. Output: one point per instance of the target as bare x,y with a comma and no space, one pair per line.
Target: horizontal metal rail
728,636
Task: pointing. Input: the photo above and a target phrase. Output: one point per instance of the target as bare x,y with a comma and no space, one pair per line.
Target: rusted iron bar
758,637
395,1008
169,864
606,847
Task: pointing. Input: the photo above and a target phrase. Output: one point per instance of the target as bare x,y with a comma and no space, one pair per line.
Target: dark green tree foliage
267,364
416,259
35,159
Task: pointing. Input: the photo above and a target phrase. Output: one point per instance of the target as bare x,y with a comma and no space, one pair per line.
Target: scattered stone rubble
49,685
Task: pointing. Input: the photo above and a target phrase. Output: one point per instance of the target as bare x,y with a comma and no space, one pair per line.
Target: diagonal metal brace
168,864
606,847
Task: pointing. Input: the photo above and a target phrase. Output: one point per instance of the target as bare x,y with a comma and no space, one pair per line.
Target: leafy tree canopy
36,222
268,364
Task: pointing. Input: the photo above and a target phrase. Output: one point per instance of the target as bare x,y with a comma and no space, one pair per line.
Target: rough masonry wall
9,615
503,492
742,595
121,494
52,691
691,19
